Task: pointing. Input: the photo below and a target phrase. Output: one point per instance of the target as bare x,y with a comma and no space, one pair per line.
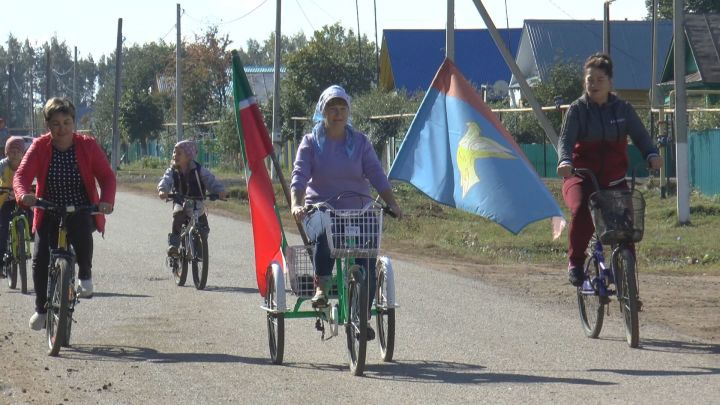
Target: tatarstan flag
256,146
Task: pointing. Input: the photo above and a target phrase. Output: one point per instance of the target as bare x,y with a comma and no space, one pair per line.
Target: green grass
433,230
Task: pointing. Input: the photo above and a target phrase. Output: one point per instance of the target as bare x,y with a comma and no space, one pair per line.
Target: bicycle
62,295
352,233
17,253
193,244
618,216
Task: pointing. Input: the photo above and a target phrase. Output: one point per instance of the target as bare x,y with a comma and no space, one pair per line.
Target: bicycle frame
18,220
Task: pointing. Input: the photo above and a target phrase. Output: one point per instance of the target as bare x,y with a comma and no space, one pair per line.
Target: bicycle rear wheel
356,326
275,320
60,295
628,295
385,318
200,260
21,258
590,305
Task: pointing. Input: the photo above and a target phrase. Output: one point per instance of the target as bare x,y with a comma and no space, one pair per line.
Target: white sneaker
85,288
37,321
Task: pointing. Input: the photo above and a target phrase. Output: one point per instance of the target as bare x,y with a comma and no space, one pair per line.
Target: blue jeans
314,225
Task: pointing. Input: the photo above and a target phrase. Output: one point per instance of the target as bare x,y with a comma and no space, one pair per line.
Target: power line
305,15
244,15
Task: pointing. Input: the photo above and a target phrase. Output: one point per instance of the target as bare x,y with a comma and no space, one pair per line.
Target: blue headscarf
318,131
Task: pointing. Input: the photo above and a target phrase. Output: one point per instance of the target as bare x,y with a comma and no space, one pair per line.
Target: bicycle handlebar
177,197
65,209
348,194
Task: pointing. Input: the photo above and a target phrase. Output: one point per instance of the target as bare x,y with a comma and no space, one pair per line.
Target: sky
91,25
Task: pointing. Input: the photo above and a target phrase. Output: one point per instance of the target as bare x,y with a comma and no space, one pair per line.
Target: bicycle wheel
180,268
275,320
628,295
590,306
384,304
9,266
356,326
200,260
21,258
60,295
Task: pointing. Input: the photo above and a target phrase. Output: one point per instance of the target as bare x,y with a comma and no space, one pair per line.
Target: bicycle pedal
319,326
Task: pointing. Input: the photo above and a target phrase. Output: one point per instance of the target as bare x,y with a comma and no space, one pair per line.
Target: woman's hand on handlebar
655,162
163,195
28,200
565,169
394,211
298,211
105,208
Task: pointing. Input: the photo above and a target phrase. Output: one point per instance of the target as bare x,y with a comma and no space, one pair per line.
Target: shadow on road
143,354
695,371
446,372
118,295
675,346
244,290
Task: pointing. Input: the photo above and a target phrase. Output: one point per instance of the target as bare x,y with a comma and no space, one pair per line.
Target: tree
563,85
264,55
665,7
331,56
140,116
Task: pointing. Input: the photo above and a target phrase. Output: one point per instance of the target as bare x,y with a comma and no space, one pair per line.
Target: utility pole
48,73
116,108
74,84
681,148
450,31
606,27
276,88
377,51
8,112
178,80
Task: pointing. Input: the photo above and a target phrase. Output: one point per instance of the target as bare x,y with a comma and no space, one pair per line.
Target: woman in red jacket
66,166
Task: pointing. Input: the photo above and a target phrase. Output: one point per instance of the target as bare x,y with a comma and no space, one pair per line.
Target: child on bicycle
14,152
186,177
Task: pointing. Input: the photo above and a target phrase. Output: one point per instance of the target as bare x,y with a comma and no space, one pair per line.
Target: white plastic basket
300,270
354,233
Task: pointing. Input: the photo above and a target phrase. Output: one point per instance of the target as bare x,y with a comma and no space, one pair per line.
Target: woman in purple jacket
333,159
594,136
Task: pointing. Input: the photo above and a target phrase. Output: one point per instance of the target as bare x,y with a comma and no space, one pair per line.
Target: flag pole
286,191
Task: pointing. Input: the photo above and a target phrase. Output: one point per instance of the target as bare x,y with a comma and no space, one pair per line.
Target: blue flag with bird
459,154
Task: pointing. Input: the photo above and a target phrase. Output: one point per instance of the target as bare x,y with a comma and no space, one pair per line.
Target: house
702,58
409,58
262,80
544,43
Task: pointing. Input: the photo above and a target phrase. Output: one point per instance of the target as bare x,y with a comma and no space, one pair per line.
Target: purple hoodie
324,172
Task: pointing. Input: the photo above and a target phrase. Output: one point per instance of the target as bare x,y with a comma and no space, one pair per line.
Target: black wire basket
618,215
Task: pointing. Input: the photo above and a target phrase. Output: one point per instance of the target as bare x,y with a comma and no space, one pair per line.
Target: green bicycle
17,253
352,234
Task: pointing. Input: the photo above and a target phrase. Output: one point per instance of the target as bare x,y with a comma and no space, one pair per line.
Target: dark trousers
576,193
180,217
80,229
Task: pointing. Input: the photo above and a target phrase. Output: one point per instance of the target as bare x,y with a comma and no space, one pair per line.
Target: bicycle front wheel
10,267
628,295
200,260
21,259
60,295
180,268
590,305
356,326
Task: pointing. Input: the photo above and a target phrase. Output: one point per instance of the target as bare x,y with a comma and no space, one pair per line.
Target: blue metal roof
416,55
572,40
263,69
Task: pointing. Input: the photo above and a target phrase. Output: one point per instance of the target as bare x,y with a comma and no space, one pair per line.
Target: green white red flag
256,146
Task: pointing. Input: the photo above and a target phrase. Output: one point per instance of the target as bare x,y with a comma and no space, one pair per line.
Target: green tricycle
351,234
